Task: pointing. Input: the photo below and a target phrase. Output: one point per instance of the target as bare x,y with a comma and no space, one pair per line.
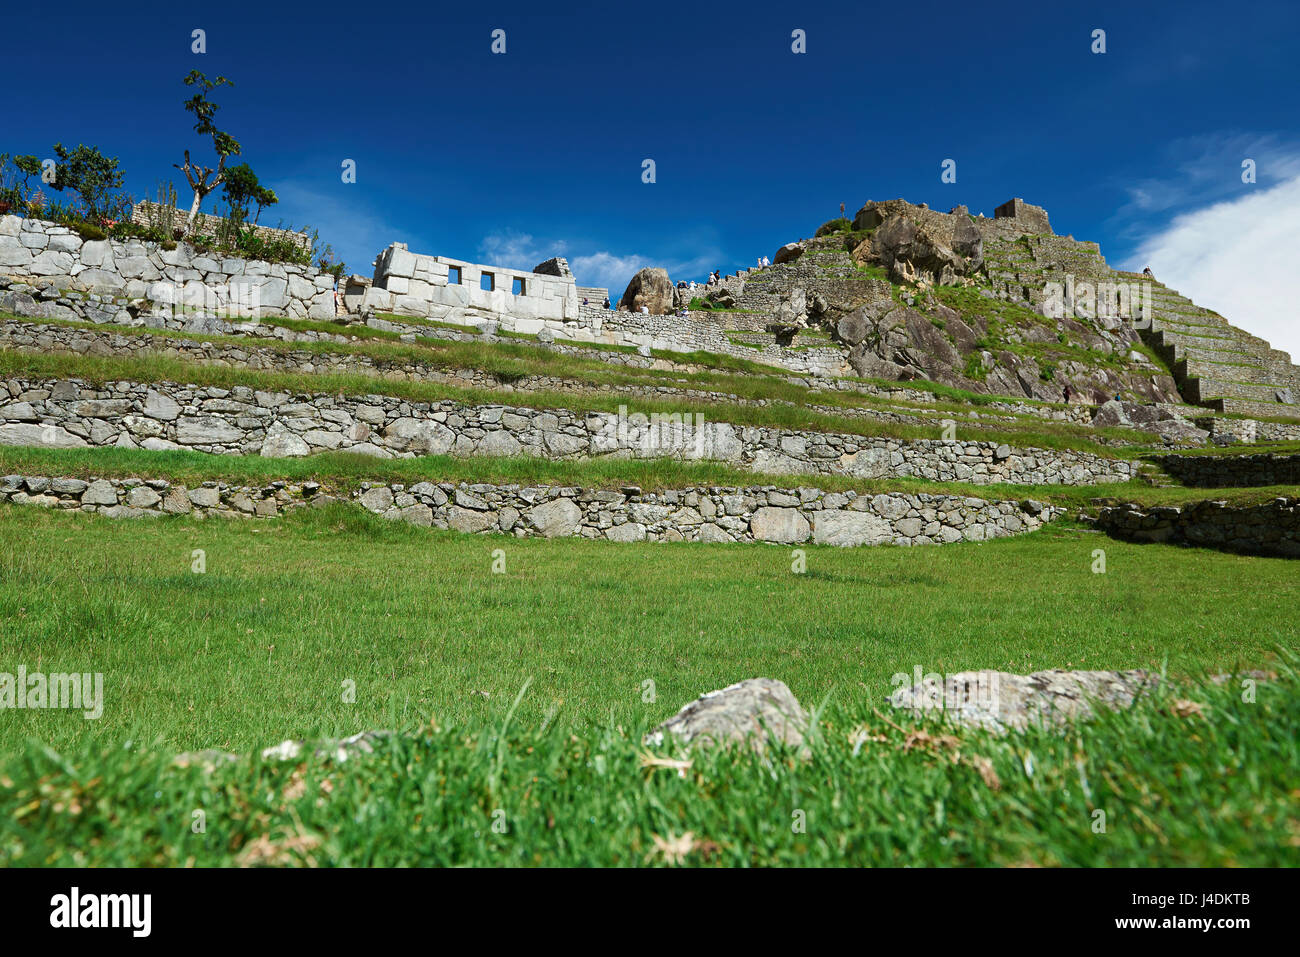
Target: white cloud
517,250
1196,170
1239,258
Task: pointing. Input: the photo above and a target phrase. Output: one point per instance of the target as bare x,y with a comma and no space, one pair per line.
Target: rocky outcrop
754,712
1159,418
999,701
913,252
787,253
650,288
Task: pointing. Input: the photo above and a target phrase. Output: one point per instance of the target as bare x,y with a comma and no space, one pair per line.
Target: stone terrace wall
164,415
1270,529
757,514
35,337
170,218
1248,431
1232,471
44,338
63,276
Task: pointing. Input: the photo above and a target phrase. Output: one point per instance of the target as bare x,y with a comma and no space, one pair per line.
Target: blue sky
514,158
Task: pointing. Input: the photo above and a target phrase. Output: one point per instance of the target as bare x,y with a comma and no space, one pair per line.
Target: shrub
88,231
840,225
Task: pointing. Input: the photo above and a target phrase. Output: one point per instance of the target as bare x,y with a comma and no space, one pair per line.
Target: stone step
1194,354
1269,410
1233,371
1206,388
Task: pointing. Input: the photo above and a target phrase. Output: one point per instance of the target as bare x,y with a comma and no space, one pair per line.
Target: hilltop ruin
1001,305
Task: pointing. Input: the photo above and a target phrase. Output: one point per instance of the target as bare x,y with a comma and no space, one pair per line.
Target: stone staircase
1215,364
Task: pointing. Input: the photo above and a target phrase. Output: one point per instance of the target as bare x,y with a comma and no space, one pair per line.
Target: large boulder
651,288
908,249
752,711
787,253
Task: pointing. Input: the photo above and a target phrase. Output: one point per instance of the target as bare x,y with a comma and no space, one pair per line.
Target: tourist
584,300
1066,390
1148,273
607,305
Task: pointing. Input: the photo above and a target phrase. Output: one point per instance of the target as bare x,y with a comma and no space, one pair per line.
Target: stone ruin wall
172,219
245,421
1232,471
751,514
1272,528
65,277
414,284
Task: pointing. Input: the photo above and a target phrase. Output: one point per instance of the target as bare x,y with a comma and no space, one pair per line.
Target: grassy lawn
257,648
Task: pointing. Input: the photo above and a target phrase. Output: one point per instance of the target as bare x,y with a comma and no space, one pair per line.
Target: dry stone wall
755,514
1269,529
242,420
48,338
43,337
146,213
1232,471
63,276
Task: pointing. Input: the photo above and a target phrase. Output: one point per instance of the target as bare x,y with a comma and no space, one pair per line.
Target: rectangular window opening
453,275
487,282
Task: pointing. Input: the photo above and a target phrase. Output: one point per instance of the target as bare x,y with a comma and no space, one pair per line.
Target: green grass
1212,789
257,649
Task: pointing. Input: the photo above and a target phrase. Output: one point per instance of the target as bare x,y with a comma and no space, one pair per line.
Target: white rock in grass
752,711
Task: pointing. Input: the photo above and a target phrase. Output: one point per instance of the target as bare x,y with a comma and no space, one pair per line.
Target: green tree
240,187
263,197
13,190
89,173
205,179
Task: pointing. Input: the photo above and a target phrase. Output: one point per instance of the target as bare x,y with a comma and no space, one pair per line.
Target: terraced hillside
507,543
968,301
